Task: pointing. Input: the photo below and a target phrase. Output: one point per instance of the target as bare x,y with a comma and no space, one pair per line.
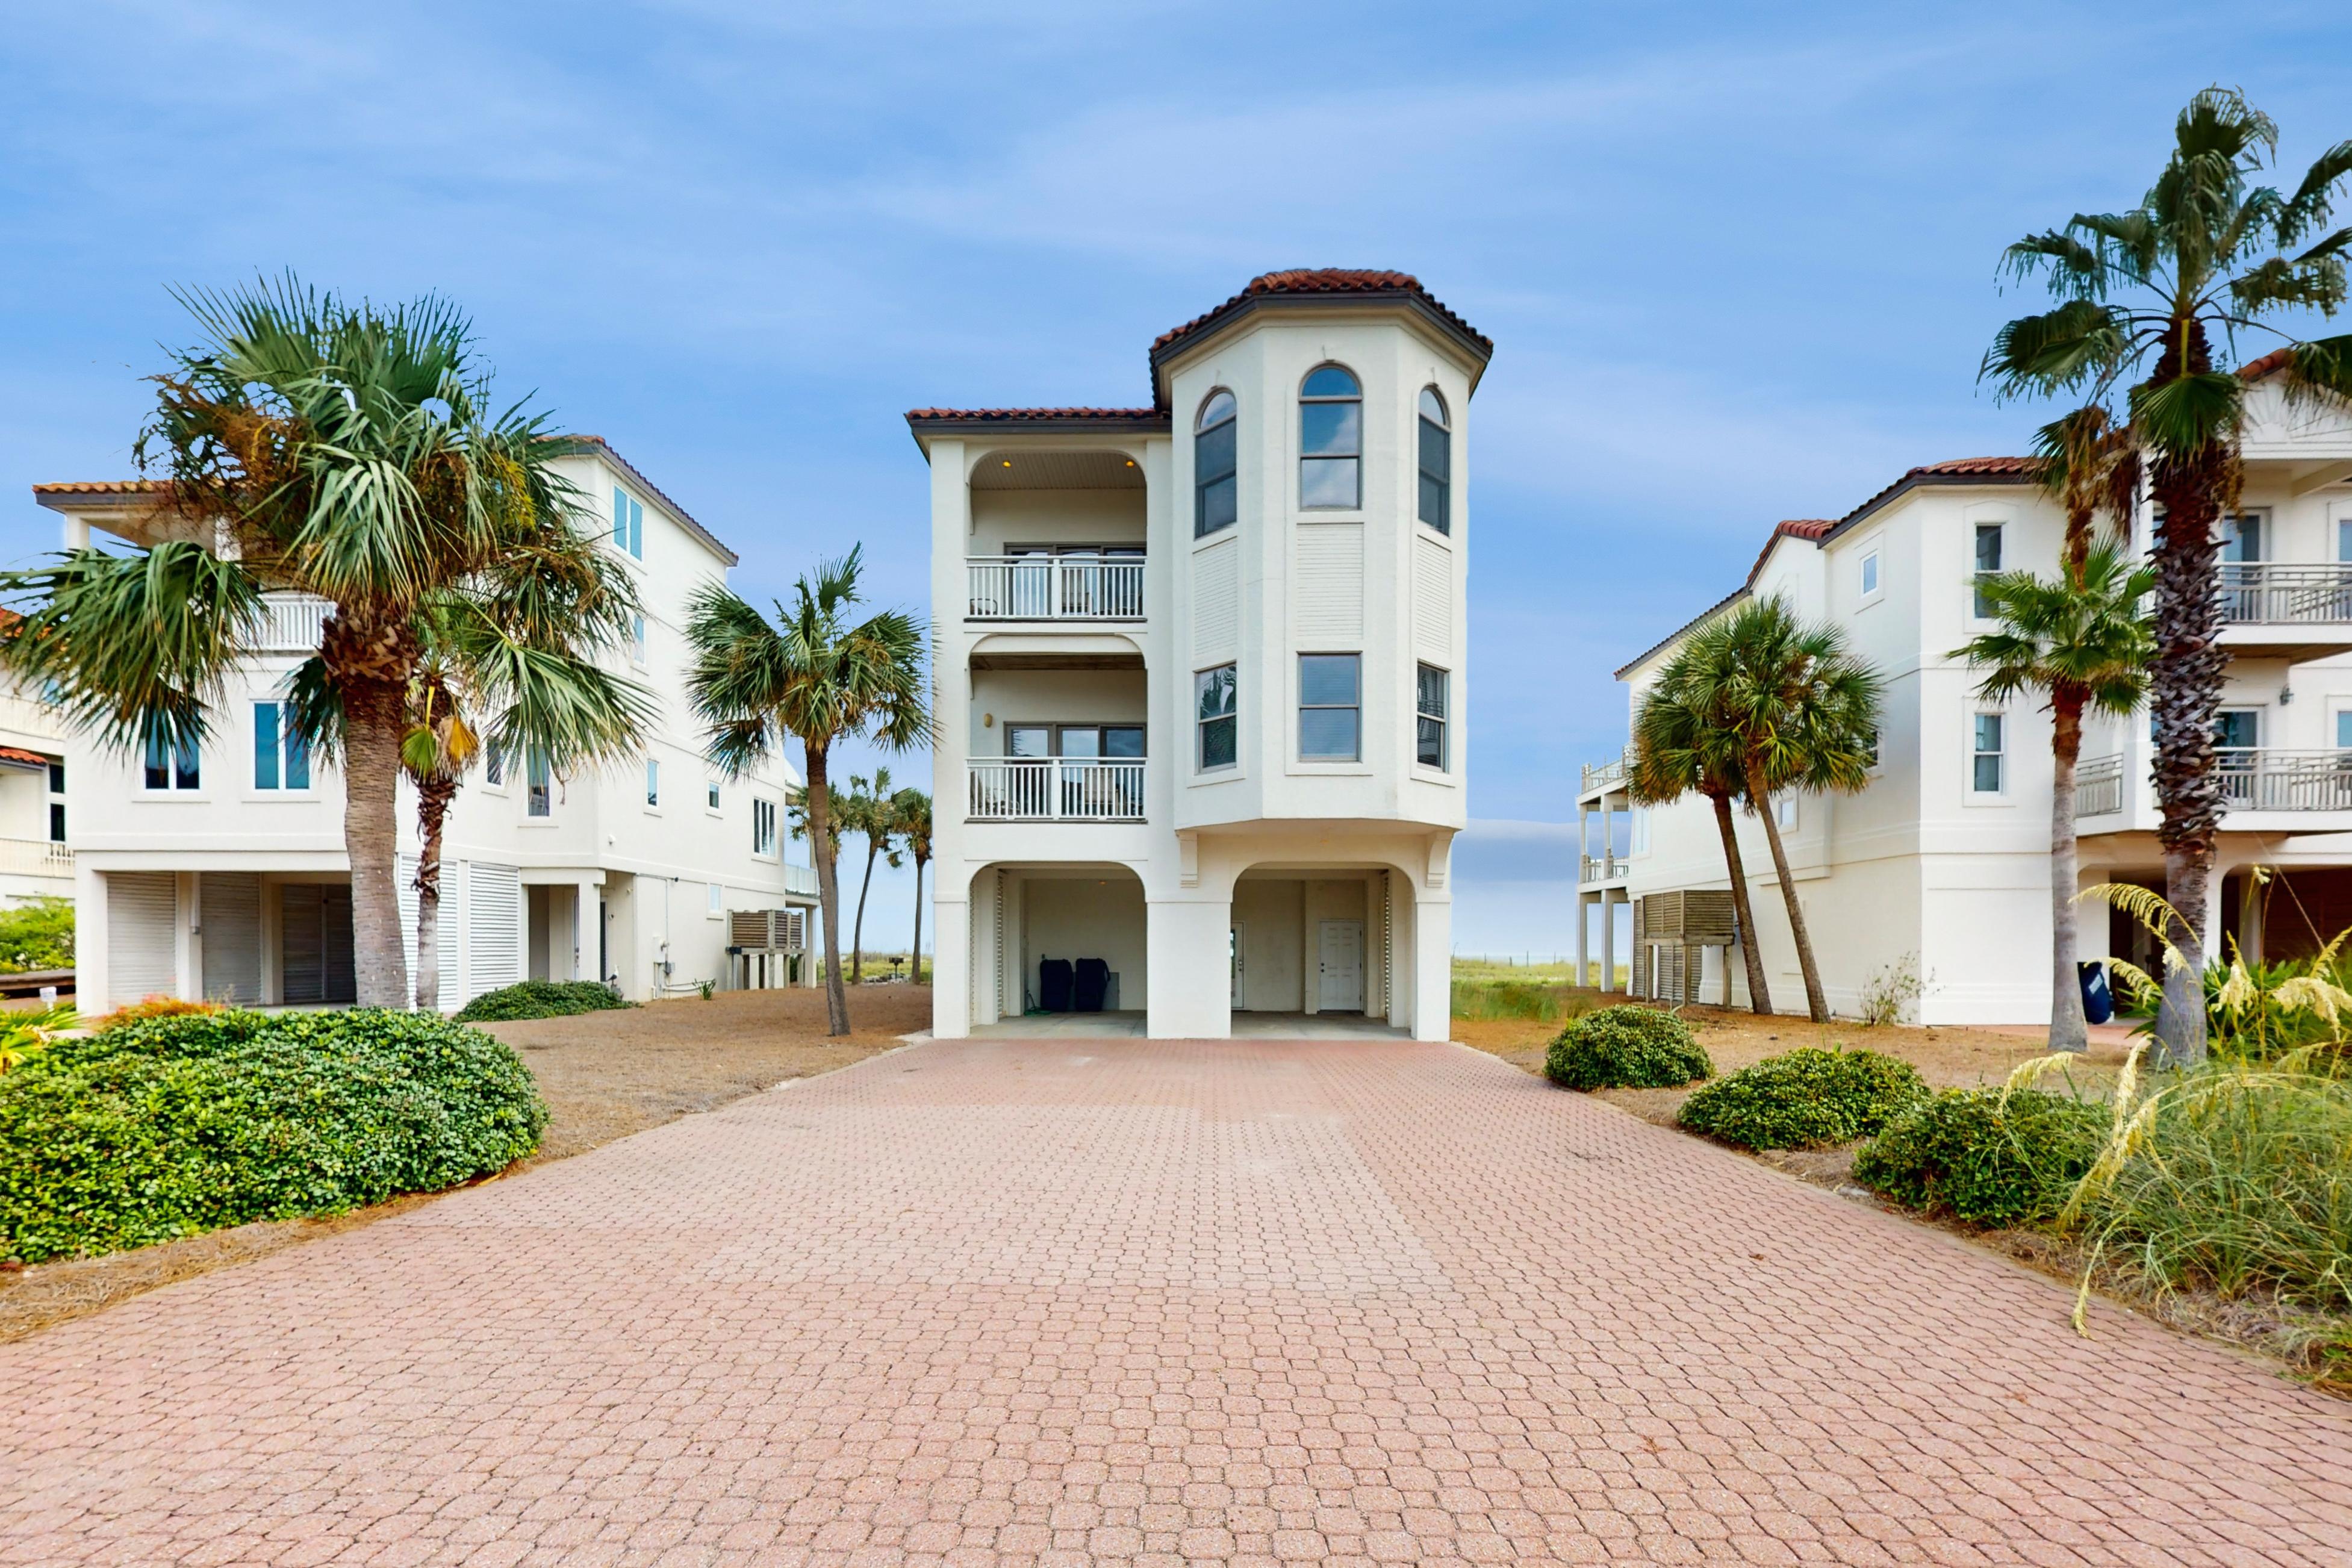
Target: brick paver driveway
1010,1302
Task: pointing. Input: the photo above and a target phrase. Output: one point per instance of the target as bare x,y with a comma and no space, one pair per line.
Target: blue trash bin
2099,1001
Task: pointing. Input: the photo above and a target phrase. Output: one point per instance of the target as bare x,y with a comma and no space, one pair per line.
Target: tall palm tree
811,674
912,809
2081,640
323,446
1679,750
872,816
2154,299
1801,711
2090,466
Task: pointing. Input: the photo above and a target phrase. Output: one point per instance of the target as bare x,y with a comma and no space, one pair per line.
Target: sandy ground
604,1076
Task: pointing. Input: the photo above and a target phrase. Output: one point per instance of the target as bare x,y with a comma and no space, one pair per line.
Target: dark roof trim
679,513
1406,295
1978,471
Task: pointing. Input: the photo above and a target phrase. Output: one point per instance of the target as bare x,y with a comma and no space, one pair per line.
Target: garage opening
1318,947
1071,943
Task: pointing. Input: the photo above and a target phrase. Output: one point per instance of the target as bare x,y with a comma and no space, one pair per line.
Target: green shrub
1804,1099
540,999
1983,1157
1627,1047
37,934
169,1127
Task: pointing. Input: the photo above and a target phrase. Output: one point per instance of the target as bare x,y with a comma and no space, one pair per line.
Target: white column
1583,944
1608,941
90,977
950,965
187,945
584,930
1432,967
1190,980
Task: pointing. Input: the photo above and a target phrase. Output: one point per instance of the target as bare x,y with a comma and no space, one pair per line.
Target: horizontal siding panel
1432,602
1216,602
1330,604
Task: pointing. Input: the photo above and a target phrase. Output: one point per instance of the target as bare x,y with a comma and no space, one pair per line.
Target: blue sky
1738,263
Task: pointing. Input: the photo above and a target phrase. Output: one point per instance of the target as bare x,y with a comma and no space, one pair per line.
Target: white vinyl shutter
493,927
141,909
228,912
443,941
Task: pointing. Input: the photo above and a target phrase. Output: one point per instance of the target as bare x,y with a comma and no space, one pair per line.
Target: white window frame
1637,830
281,789
766,826
1303,708
494,766
711,798
1444,721
2339,524
537,792
1201,767
628,524
714,896
1970,755
171,788
1978,571
652,785
1870,574
637,641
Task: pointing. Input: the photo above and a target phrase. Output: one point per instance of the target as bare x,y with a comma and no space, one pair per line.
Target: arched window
1330,440
1213,485
1436,463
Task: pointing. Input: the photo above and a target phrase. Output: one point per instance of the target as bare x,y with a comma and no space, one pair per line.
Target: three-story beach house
219,873
1941,866
1201,679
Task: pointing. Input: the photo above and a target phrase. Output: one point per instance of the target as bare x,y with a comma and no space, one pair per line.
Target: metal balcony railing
2099,786
1054,588
2271,594
1056,789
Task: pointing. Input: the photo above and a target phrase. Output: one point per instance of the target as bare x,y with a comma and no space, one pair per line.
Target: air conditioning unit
768,930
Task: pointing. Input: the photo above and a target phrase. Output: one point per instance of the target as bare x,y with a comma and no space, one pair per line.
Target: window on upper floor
281,759
1429,702
1216,718
1870,573
539,782
1330,706
1330,440
714,900
763,827
653,782
56,802
170,768
1637,830
628,523
710,795
1217,487
2241,537
637,641
494,765
1436,462
1988,754
1989,550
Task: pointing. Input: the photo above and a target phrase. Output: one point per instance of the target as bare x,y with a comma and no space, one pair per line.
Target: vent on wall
1331,604
1433,601
1216,601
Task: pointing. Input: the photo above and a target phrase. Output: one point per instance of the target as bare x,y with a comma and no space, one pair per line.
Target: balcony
1083,588
1608,775
2272,610
35,858
1056,789
2252,779
801,879
1601,867
293,623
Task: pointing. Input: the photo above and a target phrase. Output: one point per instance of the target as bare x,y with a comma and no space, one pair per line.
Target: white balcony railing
35,858
1054,588
1599,775
1056,789
1601,867
2252,779
801,879
2272,593
292,623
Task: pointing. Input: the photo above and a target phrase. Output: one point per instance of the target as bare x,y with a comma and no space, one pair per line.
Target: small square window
1870,573
170,768
494,765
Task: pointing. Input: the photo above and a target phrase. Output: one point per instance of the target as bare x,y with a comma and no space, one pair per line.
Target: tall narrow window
1436,462
1429,712
1330,709
2241,537
1988,771
1330,440
1987,564
173,767
539,782
710,795
280,758
1219,723
653,781
1870,573
57,803
1216,489
714,899
494,765
763,827
628,523
637,642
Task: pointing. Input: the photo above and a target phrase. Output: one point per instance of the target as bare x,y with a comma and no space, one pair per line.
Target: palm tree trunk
820,830
857,931
434,796
2068,1032
1760,998
916,961
1817,1005
372,727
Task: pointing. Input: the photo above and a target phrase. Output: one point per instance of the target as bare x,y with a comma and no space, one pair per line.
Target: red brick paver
1258,1302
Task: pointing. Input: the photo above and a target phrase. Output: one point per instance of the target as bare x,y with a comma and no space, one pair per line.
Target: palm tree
1800,712
2090,465
2143,297
1678,751
912,809
871,815
2082,641
343,450
813,675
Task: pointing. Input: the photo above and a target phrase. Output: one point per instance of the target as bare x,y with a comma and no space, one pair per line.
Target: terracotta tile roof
1014,415
11,754
1813,528
2270,363
1339,285
100,487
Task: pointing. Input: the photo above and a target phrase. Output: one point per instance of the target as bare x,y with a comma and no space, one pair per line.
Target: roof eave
1476,353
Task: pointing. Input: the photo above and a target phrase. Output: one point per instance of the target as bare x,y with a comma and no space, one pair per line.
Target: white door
1339,959
1234,959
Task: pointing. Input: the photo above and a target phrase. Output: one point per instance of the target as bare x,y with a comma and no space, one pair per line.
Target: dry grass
604,1076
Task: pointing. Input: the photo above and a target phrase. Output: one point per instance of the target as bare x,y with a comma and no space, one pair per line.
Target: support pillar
1583,940
1189,982
1433,966
1608,943
951,966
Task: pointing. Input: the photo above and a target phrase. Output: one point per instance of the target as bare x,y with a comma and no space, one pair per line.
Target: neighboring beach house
33,860
221,873
1201,679
1942,863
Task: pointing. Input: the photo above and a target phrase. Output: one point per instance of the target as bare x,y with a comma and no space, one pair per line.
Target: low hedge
1627,1047
1985,1158
540,999
169,1127
1804,1099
